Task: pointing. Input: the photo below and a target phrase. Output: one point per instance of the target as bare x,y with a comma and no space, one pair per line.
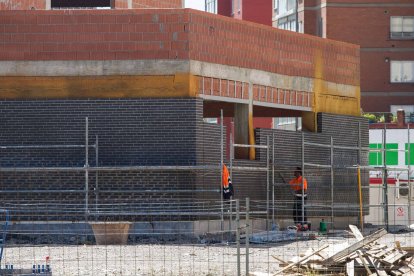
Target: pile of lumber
364,257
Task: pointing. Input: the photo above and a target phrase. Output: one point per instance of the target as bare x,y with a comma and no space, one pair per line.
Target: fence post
238,235
247,234
86,167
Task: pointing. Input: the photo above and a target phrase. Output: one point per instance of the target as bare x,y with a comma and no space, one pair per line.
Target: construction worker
227,186
296,185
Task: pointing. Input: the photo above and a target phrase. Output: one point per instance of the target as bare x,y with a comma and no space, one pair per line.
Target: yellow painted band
179,85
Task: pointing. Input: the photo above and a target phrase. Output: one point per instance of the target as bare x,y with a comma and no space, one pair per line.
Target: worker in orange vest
296,185
227,185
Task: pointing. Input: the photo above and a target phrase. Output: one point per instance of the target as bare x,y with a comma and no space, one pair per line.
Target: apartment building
384,29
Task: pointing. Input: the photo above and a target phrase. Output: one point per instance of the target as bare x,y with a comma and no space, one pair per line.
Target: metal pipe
238,235
409,174
108,169
96,173
273,177
359,179
86,167
317,165
247,234
221,169
332,184
361,218
231,177
111,191
44,146
303,177
385,177
267,183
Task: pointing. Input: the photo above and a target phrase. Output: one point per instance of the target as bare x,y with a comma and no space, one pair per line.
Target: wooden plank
301,260
383,253
350,268
279,260
358,235
371,263
354,247
363,262
394,257
398,245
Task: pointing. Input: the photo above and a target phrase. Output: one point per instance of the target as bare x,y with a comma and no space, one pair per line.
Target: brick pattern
281,96
249,45
288,155
223,88
130,132
22,4
240,90
172,34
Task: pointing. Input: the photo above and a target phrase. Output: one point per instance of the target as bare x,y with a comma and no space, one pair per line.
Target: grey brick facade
155,132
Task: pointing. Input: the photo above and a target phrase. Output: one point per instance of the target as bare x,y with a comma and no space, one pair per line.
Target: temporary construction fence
175,229
391,186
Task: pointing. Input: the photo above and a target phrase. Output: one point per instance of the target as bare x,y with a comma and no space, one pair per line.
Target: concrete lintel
93,67
224,99
268,79
251,75
282,106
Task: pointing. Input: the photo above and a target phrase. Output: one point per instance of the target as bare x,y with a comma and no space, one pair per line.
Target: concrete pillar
244,129
129,4
241,130
48,4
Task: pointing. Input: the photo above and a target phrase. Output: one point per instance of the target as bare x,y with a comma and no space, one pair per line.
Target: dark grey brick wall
130,132
288,155
153,132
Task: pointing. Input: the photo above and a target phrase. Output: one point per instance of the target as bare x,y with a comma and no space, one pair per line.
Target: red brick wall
245,44
370,28
22,4
119,4
171,34
382,103
375,72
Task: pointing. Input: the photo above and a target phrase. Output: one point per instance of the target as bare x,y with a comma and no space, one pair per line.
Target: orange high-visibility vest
225,177
296,184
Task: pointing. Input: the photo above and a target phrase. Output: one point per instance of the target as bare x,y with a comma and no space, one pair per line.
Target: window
80,4
211,6
402,27
287,23
291,4
288,123
285,6
275,5
402,71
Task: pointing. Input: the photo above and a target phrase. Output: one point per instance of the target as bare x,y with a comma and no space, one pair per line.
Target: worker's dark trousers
297,210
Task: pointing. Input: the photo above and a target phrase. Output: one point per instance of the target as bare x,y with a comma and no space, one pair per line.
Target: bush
371,117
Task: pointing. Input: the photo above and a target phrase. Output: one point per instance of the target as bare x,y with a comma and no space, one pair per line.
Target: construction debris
364,257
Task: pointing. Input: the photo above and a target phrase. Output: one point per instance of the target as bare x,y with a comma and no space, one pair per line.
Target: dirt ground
153,259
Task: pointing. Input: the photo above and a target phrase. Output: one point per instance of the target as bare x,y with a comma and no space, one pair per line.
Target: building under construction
103,117
107,106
